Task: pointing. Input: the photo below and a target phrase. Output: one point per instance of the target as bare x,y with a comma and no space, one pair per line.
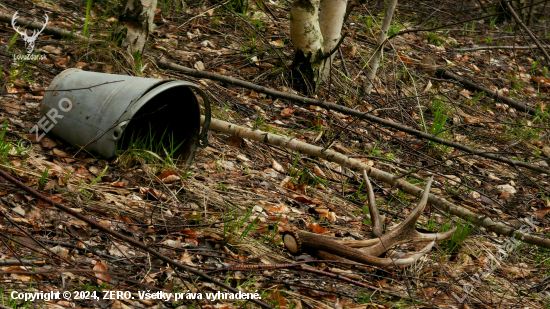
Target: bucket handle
202,142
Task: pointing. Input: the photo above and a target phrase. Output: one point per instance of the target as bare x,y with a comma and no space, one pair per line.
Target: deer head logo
29,40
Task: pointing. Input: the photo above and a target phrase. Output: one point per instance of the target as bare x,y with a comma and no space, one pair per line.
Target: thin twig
522,25
127,240
458,49
57,90
342,109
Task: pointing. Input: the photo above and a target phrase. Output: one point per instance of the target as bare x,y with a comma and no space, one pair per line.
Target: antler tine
34,33
406,232
403,233
45,23
15,16
373,209
415,214
413,257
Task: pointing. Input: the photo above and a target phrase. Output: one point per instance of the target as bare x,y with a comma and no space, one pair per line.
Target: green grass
12,41
85,32
234,223
441,114
462,231
149,148
44,176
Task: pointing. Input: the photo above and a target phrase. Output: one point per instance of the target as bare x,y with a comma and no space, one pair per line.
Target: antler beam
296,241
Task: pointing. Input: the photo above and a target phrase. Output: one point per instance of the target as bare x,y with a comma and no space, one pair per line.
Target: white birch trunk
307,40
137,19
331,20
375,60
315,30
396,182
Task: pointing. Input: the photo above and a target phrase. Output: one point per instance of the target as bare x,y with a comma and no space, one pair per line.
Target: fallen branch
522,25
130,241
13,262
493,94
394,181
342,109
458,49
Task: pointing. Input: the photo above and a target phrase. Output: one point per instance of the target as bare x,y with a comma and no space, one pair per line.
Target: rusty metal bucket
99,111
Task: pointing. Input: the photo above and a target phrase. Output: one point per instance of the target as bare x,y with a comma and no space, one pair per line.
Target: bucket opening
169,121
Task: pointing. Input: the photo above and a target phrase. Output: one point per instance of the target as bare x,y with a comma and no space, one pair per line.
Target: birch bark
136,24
315,29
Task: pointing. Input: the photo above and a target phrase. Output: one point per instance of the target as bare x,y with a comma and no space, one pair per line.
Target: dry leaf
102,277
117,304
465,93
319,172
300,188
514,272
234,141
287,112
47,142
281,208
316,228
22,277
278,167
542,212
169,177
277,299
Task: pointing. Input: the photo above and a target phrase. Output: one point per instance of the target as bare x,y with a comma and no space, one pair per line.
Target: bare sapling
374,62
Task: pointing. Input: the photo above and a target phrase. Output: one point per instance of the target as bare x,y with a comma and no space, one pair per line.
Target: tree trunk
314,33
331,20
136,24
375,60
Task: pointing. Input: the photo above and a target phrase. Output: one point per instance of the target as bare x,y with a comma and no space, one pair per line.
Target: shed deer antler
403,233
29,40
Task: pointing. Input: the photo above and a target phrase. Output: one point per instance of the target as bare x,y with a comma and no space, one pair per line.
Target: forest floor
231,207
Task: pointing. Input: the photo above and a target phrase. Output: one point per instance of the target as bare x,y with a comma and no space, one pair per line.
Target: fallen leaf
169,177
465,93
277,43
102,277
316,228
300,188
234,141
514,272
199,65
47,142
277,299
279,209
541,80
117,304
287,112
542,212
278,167
81,65
506,188
62,63
319,172
22,277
